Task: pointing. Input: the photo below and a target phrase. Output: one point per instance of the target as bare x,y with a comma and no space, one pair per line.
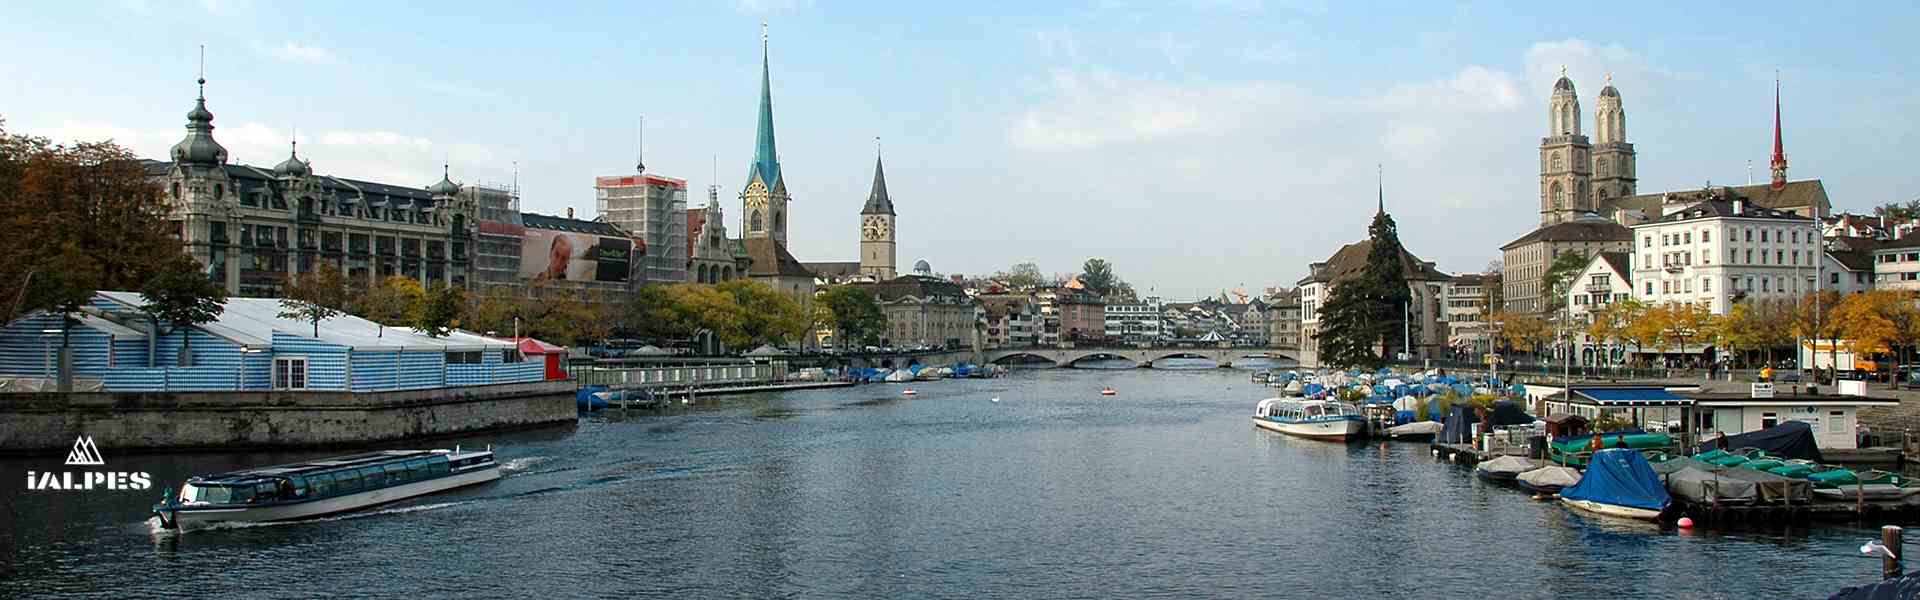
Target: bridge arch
1022,357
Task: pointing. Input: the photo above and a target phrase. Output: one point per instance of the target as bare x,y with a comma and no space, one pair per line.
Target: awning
1629,397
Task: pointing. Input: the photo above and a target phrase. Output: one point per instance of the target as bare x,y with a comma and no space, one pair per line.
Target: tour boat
322,487
1315,419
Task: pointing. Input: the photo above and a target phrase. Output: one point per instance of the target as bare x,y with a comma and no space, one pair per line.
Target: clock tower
876,229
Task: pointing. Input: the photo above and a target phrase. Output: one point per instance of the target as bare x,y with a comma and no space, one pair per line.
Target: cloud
302,53
1475,88
1100,108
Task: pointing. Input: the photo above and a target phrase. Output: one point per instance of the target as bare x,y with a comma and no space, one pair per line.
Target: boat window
299,486
437,464
372,477
396,473
347,480
322,484
266,492
418,468
241,494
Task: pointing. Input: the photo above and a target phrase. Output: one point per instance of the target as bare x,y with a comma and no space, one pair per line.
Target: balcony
1593,288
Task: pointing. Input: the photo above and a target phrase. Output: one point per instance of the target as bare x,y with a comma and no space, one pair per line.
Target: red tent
550,354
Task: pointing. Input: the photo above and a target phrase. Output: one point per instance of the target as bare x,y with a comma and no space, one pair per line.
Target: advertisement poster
562,256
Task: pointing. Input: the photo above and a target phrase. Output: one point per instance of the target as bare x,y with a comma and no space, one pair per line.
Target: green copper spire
766,160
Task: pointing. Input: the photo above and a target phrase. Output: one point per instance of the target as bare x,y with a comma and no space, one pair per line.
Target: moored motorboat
1618,483
1549,479
322,487
1503,469
1315,419
1415,431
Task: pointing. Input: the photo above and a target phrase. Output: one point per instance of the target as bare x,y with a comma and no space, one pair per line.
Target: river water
1164,490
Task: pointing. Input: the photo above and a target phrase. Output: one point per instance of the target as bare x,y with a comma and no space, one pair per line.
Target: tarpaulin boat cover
1459,426
1676,464
1792,439
1705,487
1506,412
1550,477
1506,465
1620,477
1898,588
1774,488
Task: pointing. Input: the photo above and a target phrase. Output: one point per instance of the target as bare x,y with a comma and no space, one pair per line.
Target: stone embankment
49,422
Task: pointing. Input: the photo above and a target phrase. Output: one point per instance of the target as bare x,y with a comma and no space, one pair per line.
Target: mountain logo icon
85,453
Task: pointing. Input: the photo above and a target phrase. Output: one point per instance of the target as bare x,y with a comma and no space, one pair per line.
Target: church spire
878,202
1380,186
1779,150
766,159
198,147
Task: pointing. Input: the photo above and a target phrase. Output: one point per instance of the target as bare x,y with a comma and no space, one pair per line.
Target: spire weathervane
1380,185
640,154
203,72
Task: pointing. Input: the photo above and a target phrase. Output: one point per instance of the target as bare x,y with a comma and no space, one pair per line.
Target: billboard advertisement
562,256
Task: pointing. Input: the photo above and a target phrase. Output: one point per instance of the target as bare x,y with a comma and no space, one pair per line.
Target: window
1779,257
1689,237
373,477
1646,242
1749,235
463,358
1706,235
1763,236
1768,420
1836,421
290,372
1706,285
322,484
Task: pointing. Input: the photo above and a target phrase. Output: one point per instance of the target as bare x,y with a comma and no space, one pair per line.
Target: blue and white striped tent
250,347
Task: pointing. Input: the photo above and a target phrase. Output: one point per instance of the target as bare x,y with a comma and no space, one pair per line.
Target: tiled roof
1351,259
771,259
834,269
916,287
1618,261
1723,208
1853,260
1795,194
1584,229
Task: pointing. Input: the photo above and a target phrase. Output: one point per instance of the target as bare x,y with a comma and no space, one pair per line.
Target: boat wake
523,463
153,523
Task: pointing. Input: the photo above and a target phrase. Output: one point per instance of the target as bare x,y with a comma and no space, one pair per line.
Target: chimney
569,212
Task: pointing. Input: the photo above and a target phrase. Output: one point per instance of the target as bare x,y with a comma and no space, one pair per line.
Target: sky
1198,146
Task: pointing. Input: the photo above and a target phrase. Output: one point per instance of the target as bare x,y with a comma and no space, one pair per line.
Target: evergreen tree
1367,310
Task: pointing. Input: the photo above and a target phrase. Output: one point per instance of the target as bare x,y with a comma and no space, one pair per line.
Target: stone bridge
1141,357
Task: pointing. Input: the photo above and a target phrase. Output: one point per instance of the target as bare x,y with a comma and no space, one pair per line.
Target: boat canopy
1706,487
1620,477
1792,439
1550,476
1506,412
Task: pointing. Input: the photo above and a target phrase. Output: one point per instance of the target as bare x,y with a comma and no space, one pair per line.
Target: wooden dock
662,397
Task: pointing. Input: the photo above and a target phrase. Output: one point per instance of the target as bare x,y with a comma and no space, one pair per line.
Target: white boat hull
1612,510
189,517
1333,430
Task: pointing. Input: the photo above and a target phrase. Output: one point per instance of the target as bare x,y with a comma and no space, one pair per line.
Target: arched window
1559,196
1556,162
1600,167
755,223
779,221
219,191
176,190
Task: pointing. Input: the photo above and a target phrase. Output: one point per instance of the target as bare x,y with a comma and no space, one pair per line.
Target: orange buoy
1107,392
1685,523
908,392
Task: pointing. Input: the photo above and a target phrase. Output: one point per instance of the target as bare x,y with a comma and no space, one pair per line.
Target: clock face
875,228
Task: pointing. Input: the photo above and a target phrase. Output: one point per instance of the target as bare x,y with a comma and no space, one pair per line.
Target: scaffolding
655,209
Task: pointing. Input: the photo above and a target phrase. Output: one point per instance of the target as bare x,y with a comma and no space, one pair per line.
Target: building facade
1525,261
1134,322
1285,315
924,310
497,239
710,256
1425,284
257,229
1082,314
1466,314
1605,280
1720,249
1896,265
1010,320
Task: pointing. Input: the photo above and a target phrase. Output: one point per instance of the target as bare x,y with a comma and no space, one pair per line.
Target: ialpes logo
86,454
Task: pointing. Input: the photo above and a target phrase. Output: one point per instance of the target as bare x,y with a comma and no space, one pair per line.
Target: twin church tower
765,200
1578,176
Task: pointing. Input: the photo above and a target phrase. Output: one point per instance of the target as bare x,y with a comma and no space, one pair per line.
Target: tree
1365,310
693,307
1679,322
1863,318
315,296
1023,276
491,313
78,219
854,314
390,302
440,310
1559,277
1813,319
1098,276
1522,331
764,315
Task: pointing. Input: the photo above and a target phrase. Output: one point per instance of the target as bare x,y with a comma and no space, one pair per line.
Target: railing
682,376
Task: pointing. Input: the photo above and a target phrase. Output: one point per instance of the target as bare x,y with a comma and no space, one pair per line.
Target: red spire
1779,164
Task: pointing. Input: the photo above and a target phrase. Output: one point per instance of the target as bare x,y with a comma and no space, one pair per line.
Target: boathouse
117,348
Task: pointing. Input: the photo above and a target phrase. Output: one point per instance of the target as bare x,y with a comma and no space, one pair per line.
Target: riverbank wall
49,422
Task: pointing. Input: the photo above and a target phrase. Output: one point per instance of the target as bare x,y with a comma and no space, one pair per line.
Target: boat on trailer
1312,419
321,487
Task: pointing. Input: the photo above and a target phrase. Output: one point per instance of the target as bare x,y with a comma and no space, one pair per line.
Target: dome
445,187
198,147
921,266
1563,84
293,166
1609,92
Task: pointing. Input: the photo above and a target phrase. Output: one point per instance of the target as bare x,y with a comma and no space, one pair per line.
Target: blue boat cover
1620,477
1629,395
1402,417
1792,439
1506,412
1458,428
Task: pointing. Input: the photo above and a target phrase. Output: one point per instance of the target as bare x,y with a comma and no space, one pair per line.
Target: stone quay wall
49,421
